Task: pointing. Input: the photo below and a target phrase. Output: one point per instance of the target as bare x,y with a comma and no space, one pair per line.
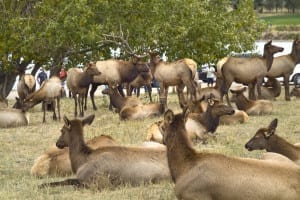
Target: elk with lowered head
110,165
265,138
47,93
204,175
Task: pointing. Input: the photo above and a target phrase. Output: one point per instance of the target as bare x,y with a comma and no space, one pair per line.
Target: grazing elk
49,91
56,162
248,70
26,86
111,165
143,79
265,138
283,66
117,71
258,107
78,82
180,73
204,175
10,117
117,100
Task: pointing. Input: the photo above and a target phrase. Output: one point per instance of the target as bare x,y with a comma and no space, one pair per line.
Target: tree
51,30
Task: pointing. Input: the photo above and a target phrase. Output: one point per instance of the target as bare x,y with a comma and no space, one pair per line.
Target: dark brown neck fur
279,145
243,103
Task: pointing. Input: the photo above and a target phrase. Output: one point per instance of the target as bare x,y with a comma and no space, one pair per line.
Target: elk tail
73,182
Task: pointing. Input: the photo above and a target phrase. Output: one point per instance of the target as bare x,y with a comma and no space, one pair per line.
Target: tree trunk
7,81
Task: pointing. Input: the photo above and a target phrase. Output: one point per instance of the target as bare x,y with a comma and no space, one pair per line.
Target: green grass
21,146
279,20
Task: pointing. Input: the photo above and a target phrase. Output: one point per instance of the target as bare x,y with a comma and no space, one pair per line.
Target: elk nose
247,146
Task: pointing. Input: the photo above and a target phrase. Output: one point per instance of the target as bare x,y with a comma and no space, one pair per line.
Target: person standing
42,76
210,75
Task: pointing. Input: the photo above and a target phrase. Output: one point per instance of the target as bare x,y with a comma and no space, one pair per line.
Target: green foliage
52,29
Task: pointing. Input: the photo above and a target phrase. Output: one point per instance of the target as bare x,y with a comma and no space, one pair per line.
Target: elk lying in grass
198,125
251,107
56,162
204,175
180,73
265,138
109,166
78,82
142,111
283,66
25,86
117,72
10,117
143,79
118,101
295,92
248,70
47,93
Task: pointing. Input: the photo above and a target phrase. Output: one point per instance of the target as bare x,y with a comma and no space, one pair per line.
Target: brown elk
117,71
142,111
143,79
283,66
295,92
251,107
111,165
56,162
26,86
248,70
78,82
10,117
47,93
265,138
117,100
180,73
197,125
205,175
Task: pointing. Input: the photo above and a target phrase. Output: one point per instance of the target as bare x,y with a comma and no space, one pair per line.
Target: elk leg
75,100
80,101
44,105
120,88
224,90
92,92
85,98
162,94
286,87
53,103
181,98
137,92
58,107
258,85
149,89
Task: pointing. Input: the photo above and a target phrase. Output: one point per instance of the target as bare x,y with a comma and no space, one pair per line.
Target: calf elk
109,166
204,175
265,138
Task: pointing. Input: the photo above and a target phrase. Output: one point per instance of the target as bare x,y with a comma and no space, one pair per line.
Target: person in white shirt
210,75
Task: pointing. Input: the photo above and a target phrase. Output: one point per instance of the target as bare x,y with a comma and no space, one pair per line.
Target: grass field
279,20
20,146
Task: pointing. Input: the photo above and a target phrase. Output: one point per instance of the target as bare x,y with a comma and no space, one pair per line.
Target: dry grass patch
20,146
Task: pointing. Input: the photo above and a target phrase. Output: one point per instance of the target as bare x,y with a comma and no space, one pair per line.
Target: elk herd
169,152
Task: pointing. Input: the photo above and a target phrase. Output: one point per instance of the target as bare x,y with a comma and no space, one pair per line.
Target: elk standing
248,70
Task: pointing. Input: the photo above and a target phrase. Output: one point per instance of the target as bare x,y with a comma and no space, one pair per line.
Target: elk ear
272,128
88,120
169,116
67,121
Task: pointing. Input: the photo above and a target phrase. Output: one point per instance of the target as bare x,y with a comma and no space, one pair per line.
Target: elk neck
243,103
179,149
279,145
